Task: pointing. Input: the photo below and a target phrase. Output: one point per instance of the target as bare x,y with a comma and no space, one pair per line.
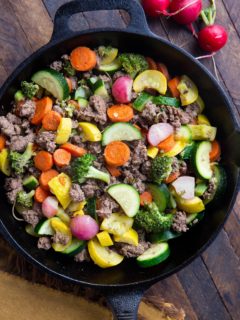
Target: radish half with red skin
122,89
159,132
212,38
153,8
84,227
185,11
50,207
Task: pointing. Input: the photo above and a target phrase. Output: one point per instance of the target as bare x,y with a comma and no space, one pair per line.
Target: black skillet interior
184,248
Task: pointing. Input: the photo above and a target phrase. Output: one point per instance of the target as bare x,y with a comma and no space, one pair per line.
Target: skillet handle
138,23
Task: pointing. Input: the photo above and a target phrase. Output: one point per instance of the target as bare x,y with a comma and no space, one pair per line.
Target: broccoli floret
67,67
25,199
20,161
82,169
151,220
160,169
133,63
29,89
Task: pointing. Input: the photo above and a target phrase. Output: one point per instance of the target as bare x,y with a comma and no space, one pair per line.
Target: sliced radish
159,132
50,207
122,89
84,227
185,187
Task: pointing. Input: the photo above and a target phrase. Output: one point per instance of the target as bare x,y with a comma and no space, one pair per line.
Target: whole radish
185,11
212,38
153,8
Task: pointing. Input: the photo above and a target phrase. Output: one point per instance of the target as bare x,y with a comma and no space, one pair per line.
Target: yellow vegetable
151,79
60,186
130,237
60,227
63,216
4,162
64,131
76,206
104,239
78,213
201,103
117,224
188,90
202,119
90,131
194,205
103,256
152,152
178,147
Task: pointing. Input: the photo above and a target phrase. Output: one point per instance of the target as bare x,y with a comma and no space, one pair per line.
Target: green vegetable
107,54
30,183
166,101
44,228
160,169
141,101
69,69
29,89
75,247
152,220
163,236
200,159
82,92
200,189
160,194
187,151
25,199
133,63
157,253
82,169
20,161
19,96
91,208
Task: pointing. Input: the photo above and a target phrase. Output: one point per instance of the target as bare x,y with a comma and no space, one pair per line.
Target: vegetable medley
107,156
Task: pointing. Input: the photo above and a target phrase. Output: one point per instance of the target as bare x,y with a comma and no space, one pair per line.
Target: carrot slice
69,82
172,85
61,157
114,171
145,198
167,144
116,153
51,121
40,194
83,59
172,177
46,176
2,142
120,113
74,150
43,106
151,63
162,67
43,161
215,152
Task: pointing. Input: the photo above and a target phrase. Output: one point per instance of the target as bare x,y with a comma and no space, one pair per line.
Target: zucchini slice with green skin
111,67
194,218
202,132
30,183
141,101
53,81
75,247
107,55
30,230
160,194
44,228
163,236
200,159
157,253
91,208
183,134
167,101
82,92
187,151
120,131
99,89
200,189
127,197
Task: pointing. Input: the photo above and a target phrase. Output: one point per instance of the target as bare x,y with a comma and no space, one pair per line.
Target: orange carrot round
215,152
172,85
43,161
73,149
151,63
43,106
61,157
83,59
114,171
167,144
116,153
172,177
120,113
46,176
51,121
145,198
2,142
40,194
162,67
69,82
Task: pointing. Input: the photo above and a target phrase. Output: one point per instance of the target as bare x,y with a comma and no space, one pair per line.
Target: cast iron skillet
125,284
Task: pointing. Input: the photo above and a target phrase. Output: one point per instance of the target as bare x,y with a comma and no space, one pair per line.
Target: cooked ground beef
12,186
76,139
91,188
118,74
46,140
59,109
44,243
211,189
175,165
182,167
174,116
10,125
180,222
146,167
27,109
74,82
106,206
95,111
34,171
82,256
150,112
135,178
31,216
56,65
60,238
131,251
139,153
193,110
94,148
19,143
76,193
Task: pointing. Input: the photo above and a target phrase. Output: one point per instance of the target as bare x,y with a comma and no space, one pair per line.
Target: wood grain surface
209,288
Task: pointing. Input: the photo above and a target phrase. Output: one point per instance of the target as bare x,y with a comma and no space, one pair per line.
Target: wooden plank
202,292
233,9
224,266
3,74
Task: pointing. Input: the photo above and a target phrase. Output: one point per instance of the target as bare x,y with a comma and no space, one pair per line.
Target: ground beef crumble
46,140
180,222
76,193
106,206
44,243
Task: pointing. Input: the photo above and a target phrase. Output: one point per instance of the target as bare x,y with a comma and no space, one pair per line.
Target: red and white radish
84,227
212,38
159,132
50,207
185,11
122,89
185,187
153,8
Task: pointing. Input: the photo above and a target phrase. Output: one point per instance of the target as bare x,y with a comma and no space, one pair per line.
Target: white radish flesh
50,207
185,187
122,89
159,132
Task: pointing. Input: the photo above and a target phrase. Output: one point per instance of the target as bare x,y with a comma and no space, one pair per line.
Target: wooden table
209,288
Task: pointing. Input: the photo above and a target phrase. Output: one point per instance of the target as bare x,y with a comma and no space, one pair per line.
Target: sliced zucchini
156,254
160,194
201,161
82,92
117,224
183,134
187,151
30,183
163,236
141,101
188,90
193,218
202,132
99,89
90,208
107,55
152,79
30,230
168,101
111,67
75,247
53,81
200,103
83,103
200,189
194,205
44,228
120,131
